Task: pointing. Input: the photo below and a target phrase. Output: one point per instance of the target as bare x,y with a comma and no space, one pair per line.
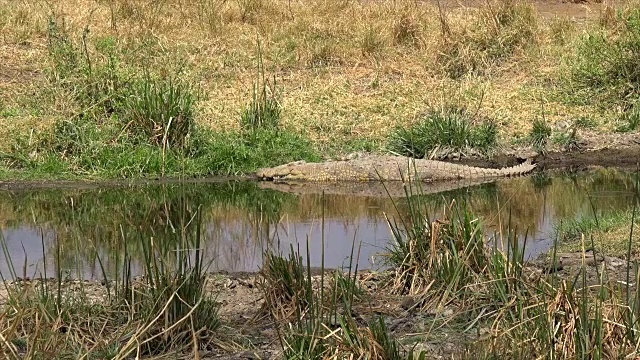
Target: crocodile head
282,172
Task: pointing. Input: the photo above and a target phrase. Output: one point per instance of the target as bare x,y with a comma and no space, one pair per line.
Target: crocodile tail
471,172
521,169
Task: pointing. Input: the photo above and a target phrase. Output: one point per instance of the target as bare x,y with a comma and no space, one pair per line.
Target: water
60,231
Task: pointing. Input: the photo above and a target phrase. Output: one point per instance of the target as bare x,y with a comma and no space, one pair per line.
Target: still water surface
67,231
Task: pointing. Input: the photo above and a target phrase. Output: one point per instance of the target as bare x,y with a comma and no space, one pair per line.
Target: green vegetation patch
450,127
604,68
132,123
87,149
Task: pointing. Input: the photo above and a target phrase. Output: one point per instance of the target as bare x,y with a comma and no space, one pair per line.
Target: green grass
444,254
136,124
603,69
539,134
264,109
451,128
84,149
630,120
161,111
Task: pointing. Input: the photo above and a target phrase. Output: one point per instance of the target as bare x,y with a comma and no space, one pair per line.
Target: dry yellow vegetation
346,70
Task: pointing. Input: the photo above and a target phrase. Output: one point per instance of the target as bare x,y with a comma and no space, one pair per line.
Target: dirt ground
574,9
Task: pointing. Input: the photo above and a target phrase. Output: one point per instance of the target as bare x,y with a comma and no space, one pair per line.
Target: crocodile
385,168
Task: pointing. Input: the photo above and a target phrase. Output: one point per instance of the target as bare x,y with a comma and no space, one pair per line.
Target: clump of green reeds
287,286
441,252
173,298
318,323
167,310
264,109
539,134
451,127
345,286
162,111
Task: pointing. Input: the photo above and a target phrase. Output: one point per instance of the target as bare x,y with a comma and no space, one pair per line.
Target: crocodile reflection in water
373,189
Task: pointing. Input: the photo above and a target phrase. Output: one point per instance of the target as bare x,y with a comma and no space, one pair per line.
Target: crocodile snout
280,172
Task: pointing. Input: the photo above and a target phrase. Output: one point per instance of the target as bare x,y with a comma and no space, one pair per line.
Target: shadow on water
241,220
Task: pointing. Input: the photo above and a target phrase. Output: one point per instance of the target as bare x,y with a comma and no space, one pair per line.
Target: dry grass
347,70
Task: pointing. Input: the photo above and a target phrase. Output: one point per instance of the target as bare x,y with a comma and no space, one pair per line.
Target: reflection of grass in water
470,195
346,208
239,210
103,216
541,181
529,200
605,224
609,231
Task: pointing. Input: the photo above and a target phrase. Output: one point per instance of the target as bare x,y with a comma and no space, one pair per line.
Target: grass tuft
286,286
452,128
407,31
264,109
630,120
539,134
372,42
160,110
443,252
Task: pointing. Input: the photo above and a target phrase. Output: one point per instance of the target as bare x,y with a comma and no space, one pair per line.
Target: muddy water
71,231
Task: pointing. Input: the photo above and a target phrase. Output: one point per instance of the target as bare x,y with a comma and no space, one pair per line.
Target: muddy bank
625,158
592,150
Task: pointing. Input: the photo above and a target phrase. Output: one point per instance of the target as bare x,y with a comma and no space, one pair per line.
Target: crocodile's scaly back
388,168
